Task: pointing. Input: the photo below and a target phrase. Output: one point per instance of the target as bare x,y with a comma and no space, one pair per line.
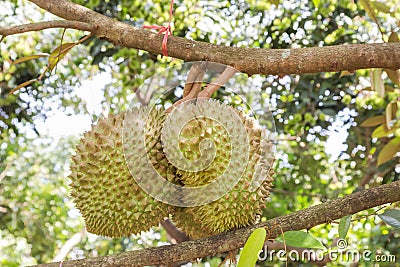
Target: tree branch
247,60
67,24
303,219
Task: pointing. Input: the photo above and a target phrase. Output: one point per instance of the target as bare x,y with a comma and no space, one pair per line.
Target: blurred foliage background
322,152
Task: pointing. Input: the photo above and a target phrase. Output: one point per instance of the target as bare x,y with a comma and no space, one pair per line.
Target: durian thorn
215,85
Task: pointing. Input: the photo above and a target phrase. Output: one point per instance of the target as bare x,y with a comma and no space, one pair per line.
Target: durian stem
194,79
298,220
193,84
215,85
173,231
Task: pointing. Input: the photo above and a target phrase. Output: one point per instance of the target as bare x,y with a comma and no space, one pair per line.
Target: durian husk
239,207
191,135
107,195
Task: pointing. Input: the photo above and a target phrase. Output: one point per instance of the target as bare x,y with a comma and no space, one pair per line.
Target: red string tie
162,29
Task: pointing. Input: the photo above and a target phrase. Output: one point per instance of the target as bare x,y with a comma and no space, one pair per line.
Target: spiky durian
241,205
113,204
192,134
108,197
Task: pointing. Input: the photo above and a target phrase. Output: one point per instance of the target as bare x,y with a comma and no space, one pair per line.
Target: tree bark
247,60
77,25
303,219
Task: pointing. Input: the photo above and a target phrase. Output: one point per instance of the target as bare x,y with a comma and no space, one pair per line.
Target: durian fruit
111,200
107,195
191,135
242,205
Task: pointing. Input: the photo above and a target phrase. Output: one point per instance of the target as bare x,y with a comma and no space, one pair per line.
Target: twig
141,100
303,219
360,217
61,52
48,67
66,24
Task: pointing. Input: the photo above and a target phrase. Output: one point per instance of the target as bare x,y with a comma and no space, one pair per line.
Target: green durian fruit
108,197
189,143
242,205
113,204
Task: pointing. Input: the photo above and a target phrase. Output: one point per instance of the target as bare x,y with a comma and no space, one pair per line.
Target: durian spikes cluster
113,204
243,203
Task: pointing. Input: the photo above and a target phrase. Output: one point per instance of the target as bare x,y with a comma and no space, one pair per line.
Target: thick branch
247,60
77,25
303,219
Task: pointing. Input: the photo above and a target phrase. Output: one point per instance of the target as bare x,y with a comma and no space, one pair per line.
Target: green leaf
345,73
382,7
24,84
377,82
369,8
389,150
59,53
316,3
388,114
391,217
389,89
302,240
394,76
382,131
344,226
23,59
368,88
373,121
274,2
249,254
